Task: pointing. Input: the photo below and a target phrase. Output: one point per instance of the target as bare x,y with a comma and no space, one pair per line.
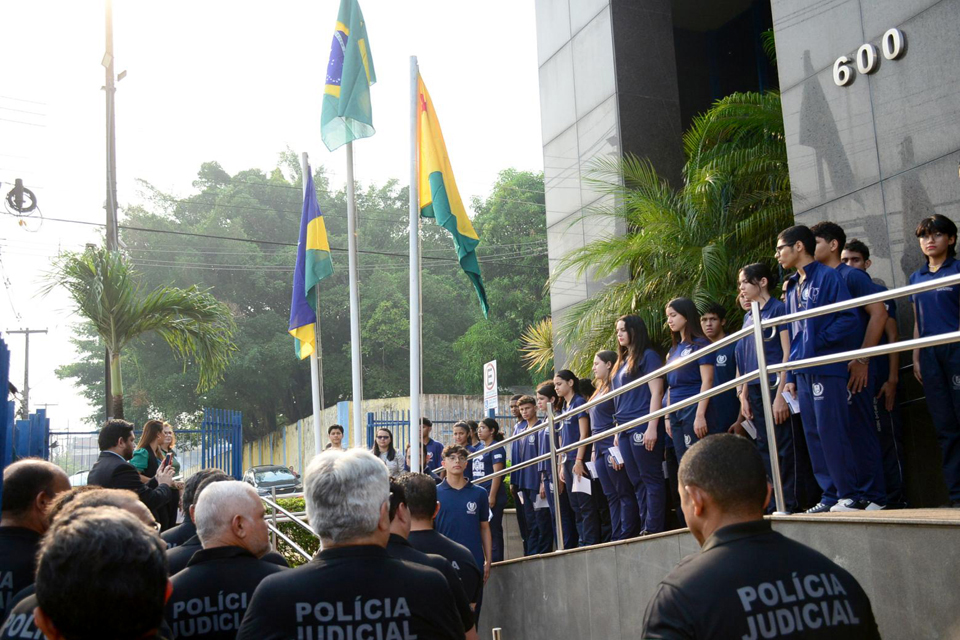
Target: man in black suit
113,471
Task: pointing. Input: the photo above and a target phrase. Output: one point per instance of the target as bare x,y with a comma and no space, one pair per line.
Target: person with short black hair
399,547
98,557
179,556
527,480
225,572
937,368
725,407
113,470
748,581
433,450
352,585
514,490
420,494
464,509
821,390
179,534
335,433
29,487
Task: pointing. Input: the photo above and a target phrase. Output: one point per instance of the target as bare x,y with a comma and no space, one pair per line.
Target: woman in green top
147,457
167,444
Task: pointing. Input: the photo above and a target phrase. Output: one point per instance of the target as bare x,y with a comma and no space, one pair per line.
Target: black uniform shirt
18,560
176,536
751,582
431,541
211,595
179,556
20,625
399,548
353,592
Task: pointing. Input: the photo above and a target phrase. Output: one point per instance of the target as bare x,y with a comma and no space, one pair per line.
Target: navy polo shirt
858,284
772,349
460,515
483,465
726,406
685,381
601,419
636,402
938,311
543,439
434,455
524,449
570,428
880,365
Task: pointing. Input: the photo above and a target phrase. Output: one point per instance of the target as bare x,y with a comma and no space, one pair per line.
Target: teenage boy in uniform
726,406
868,462
821,390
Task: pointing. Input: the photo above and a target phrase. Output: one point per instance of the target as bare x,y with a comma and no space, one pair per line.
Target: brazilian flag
347,113
439,197
313,265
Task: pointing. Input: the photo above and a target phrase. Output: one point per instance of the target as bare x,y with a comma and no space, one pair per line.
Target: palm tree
687,241
107,292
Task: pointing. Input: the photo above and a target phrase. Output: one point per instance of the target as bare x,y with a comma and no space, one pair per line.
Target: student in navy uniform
420,493
464,514
938,368
490,462
641,446
399,547
527,480
461,437
547,395
573,429
616,485
755,282
514,489
749,581
352,586
225,572
474,436
691,423
726,406
821,390
885,372
29,486
433,448
868,461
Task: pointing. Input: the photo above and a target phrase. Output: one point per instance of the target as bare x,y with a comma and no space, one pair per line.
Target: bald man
226,571
28,488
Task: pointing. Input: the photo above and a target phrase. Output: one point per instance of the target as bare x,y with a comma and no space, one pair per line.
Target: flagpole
355,363
316,366
414,273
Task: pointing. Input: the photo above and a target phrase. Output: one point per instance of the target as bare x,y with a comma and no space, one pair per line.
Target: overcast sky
236,82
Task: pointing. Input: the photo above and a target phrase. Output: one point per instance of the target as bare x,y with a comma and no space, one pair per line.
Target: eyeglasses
383,437
781,248
456,458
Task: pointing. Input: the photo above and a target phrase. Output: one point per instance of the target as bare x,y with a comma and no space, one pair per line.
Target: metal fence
764,370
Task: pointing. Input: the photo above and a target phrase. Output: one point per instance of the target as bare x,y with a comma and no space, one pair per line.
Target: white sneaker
873,506
848,504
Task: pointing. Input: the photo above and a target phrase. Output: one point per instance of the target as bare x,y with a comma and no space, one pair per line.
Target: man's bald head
29,486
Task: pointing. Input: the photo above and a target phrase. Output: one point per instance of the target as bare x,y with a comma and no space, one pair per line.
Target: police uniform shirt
211,595
429,541
750,582
685,381
399,548
938,311
353,592
18,554
179,557
176,536
20,625
461,513
482,466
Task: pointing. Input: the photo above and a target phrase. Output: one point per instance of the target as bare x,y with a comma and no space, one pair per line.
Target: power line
23,100
32,124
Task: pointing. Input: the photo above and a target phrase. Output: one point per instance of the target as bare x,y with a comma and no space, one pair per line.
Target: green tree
687,241
108,293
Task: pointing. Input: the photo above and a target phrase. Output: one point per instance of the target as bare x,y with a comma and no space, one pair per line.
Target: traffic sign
490,385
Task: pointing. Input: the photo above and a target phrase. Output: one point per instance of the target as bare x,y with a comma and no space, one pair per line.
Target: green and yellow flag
347,113
439,197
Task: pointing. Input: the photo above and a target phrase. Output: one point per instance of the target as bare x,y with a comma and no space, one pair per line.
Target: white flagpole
355,363
316,370
414,273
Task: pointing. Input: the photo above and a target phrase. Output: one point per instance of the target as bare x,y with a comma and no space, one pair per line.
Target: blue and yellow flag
313,265
347,113
439,197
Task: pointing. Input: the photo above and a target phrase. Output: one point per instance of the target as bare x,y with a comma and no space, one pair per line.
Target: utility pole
111,203
25,408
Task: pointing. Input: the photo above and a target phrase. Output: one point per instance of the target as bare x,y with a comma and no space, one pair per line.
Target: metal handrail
276,531
303,525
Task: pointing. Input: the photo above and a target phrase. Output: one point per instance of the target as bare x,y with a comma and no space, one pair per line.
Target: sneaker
848,504
873,506
819,508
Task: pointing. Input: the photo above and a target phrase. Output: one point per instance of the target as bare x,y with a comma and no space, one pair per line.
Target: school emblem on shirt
721,360
471,508
687,440
817,390
686,351
638,438
532,438
810,294
956,382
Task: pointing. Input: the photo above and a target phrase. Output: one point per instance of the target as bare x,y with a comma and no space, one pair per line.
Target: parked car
79,479
265,478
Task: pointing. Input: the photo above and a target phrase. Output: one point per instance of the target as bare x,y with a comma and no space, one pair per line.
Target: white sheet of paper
540,503
792,402
592,468
520,495
581,485
615,452
749,428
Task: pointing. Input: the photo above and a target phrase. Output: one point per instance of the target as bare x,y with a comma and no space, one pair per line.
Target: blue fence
399,423
221,441
6,413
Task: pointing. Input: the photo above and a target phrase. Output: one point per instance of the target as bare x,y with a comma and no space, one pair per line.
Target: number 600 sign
893,46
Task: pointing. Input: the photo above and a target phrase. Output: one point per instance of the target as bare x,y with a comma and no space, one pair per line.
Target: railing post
551,432
273,497
497,633
768,406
